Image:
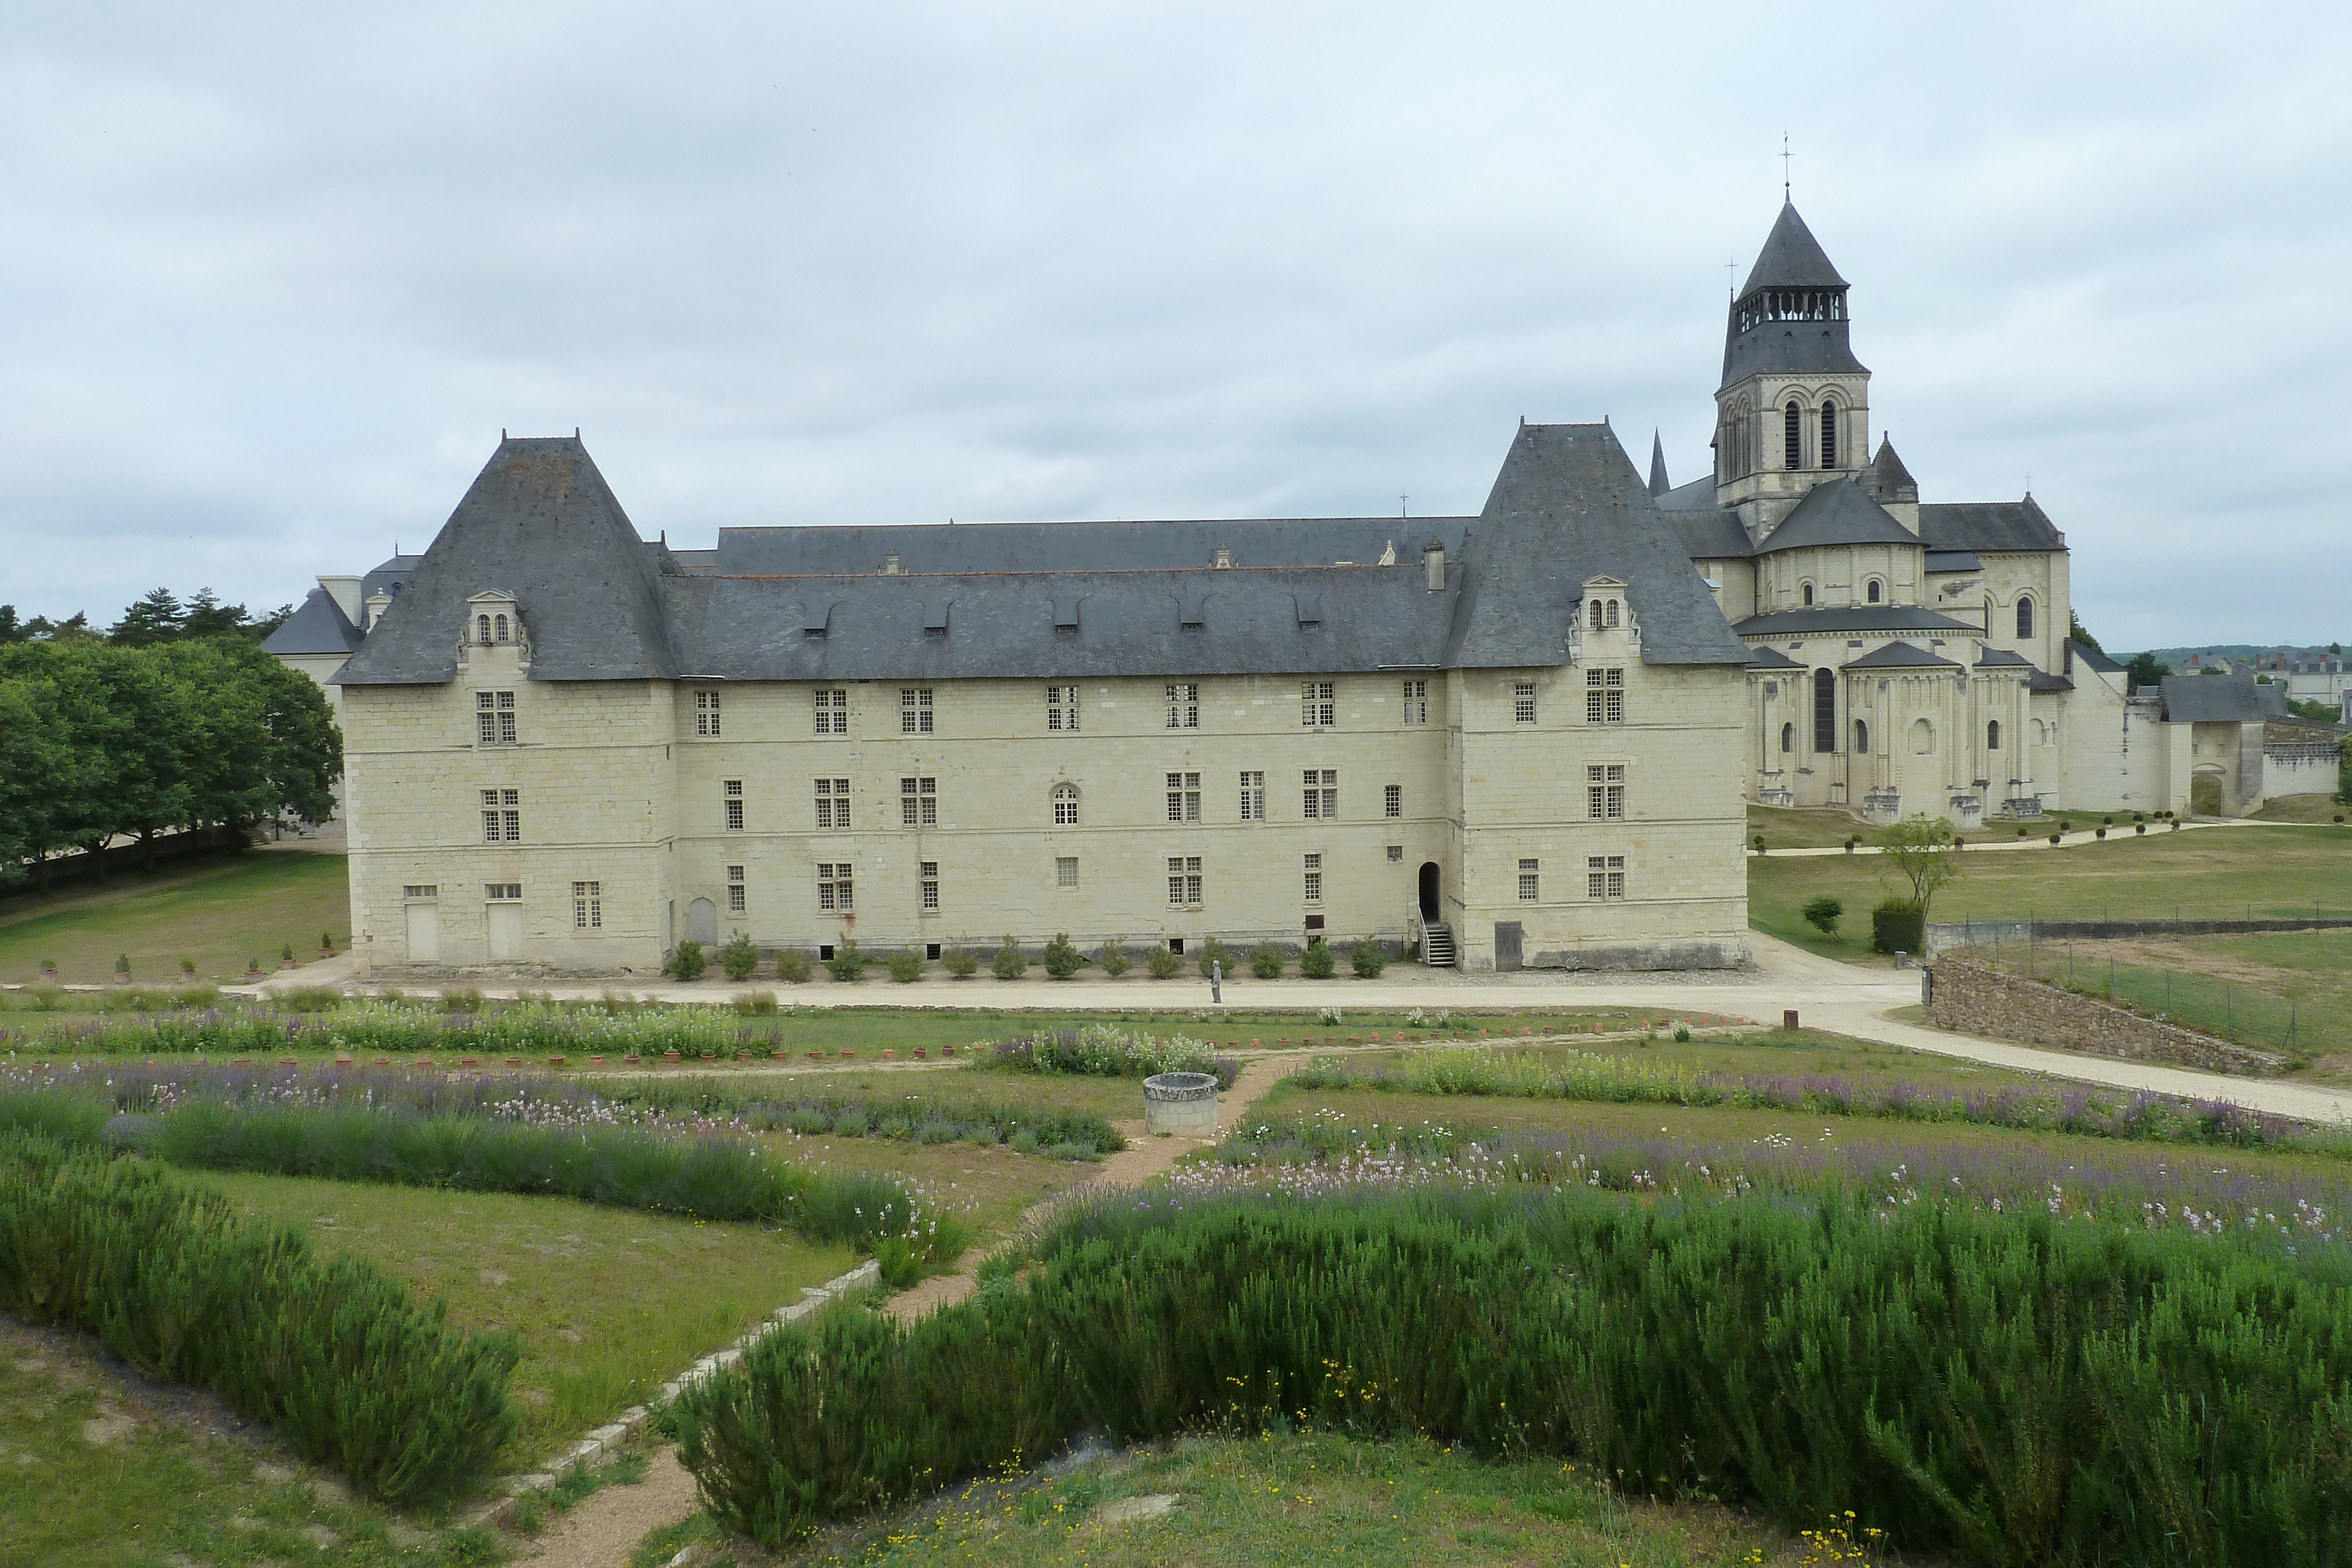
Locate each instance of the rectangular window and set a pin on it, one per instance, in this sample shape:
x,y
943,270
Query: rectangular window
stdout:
x,y
1065,871
501,817
1416,702
1604,876
735,894
1605,792
502,891
1523,702
1605,697
929,883
1183,879
919,802
832,711
1396,854
1253,797
1184,705
1316,709
1062,708
1392,801
1183,797
1314,879
833,805
832,885
1530,887
914,710
421,889
494,718
706,713
588,906
1322,794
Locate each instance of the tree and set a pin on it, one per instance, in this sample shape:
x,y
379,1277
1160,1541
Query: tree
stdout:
x,y
1922,851
2075,633
73,628
11,629
2144,670
156,616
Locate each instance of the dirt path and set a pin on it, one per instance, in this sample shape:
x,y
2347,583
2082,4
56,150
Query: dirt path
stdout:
x,y
605,1529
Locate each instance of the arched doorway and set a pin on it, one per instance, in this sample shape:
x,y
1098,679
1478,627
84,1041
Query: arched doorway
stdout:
x,y
702,921
1429,889
2205,792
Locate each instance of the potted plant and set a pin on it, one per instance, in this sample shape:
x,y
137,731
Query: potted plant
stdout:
x,y
253,969
325,944
286,957
187,966
50,966
122,968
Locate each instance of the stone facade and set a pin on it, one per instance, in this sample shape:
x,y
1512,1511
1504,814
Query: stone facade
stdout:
x,y
1973,1000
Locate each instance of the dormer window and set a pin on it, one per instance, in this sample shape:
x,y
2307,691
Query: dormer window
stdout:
x,y
500,622
1223,560
482,629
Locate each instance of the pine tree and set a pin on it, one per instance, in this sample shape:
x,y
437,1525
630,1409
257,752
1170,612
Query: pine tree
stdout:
x,y
157,617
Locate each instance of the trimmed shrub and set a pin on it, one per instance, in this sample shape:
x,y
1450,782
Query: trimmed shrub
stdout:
x,y
686,961
1164,965
1113,959
1898,925
1109,1050
739,958
1266,961
1319,963
756,1004
1822,914
1063,958
960,964
847,965
329,1353
793,966
1366,959
1010,962
1999,1388
906,966
1215,955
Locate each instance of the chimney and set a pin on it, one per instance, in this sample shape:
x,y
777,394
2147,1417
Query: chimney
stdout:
x,y
1433,561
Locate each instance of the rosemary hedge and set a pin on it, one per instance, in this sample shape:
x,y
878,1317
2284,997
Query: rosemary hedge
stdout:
x,y
2001,1388
329,1353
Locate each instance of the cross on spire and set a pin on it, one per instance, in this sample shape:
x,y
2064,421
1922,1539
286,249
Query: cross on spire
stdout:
x,y
1785,156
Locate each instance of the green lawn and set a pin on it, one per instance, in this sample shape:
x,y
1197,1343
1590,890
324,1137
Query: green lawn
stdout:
x,y
219,913
988,1188
1267,1501
2303,808
611,1303
97,1475
2219,874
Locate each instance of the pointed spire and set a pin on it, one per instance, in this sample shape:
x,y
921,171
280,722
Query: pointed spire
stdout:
x,y
1886,479
1658,485
1791,258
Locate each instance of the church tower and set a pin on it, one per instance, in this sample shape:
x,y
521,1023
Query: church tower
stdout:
x,y
1794,406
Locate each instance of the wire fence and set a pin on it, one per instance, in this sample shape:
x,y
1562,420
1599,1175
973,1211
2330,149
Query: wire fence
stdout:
x,y
2200,1002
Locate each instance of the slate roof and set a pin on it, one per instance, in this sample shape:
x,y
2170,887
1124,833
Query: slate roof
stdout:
x,y
1953,561
2042,680
1769,658
320,626
1989,526
1711,535
1658,485
1050,599
1899,656
2002,657
389,577
1791,256
1864,618
2096,659
1886,479
2213,699
539,522
1836,512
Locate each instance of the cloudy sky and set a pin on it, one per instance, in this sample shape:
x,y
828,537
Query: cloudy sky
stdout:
x,y
276,276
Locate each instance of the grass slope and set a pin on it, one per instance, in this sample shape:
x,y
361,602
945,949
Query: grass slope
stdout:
x,y
610,1303
220,913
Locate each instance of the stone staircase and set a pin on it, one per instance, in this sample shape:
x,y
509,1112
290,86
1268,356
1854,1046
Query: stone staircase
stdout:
x,y
1437,947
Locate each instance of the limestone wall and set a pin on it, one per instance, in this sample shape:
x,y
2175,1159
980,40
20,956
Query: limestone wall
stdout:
x,y
1974,999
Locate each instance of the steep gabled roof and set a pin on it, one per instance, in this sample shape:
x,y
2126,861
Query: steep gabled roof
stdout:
x,y
1791,258
539,522
1862,618
2213,699
1886,479
320,627
1658,485
1899,656
2085,654
1989,526
1568,506
1836,512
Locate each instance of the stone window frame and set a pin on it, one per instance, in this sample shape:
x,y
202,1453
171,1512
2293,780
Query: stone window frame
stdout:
x,y
1319,788
926,879
1605,792
1065,871
918,801
501,816
1604,694
738,896
831,709
1392,801
836,888
1523,702
1065,799
494,718
1062,709
1530,880
731,800
832,805
1183,791
915,710
1605,878
1416,700
1186,882
1318,706
1252,795
1183,705
706,714
588,905
1311,876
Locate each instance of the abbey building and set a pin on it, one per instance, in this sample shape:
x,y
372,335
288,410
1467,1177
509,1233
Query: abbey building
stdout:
x,y
1523,737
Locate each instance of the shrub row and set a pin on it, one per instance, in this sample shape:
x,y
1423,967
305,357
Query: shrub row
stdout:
x,y
919,1118
1618,1080
329,1353
1106,1050
2006,1389
625,1168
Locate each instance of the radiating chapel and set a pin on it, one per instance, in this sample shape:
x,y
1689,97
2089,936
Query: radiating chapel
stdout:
x,y
1522,738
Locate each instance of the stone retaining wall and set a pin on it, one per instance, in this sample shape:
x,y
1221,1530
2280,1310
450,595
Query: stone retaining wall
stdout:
x,y
1947,934
1974,999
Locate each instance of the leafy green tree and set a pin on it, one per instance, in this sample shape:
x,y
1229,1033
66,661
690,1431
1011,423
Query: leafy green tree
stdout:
x,y
1922,851
11,629
2074,632
2144,670
157,616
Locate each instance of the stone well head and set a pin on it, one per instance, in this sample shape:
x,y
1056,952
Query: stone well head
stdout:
x,y
1182,1104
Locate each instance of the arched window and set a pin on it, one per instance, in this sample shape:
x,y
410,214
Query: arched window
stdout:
x,y
1612,613
1792,437
1065,805
1993,735
1825,711
482,629
501,623
1595,617
2025,615
1829,435
1876,590
1788,737
1862,738
1808,595
1923,737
